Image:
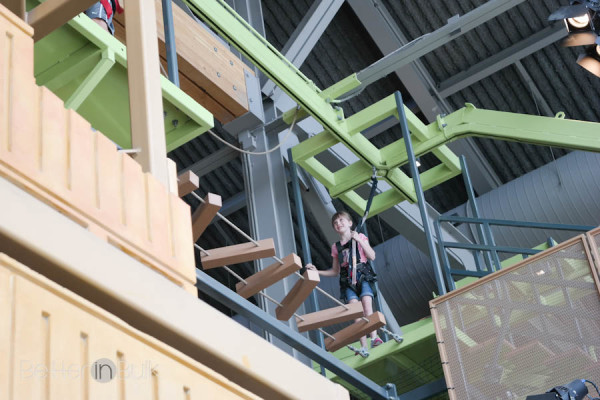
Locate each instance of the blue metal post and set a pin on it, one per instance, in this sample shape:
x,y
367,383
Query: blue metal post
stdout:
x,y
376,302
420,196
475,209
445,262
304,240
172,68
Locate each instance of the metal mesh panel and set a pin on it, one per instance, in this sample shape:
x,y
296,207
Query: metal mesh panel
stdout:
x,y
528,329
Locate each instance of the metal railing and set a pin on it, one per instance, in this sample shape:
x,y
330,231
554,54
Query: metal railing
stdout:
x,y
489,246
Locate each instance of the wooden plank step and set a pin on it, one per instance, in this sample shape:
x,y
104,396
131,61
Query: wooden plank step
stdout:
x,y
330,316
204,214
354,331
238,253
295,297
187,183
269,275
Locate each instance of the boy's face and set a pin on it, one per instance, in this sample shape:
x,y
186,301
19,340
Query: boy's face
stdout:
x,y
342,224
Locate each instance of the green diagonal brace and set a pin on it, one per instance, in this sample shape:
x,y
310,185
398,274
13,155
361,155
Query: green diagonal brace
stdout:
x,y
92,80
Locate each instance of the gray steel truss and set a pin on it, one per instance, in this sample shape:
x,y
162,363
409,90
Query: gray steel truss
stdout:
x,y
503,59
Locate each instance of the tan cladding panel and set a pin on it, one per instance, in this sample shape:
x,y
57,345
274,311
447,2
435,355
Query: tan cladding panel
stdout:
x,y
53,154
55,341
210,73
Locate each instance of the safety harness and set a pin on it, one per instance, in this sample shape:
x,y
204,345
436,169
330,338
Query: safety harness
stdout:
x,y
108,7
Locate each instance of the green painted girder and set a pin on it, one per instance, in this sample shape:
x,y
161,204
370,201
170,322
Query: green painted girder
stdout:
x,y
468,121
342,183
87,68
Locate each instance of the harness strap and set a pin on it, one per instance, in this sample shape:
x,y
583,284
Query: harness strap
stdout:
x,y
107,7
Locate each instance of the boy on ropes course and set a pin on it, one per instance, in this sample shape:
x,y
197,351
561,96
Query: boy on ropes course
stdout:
x,y
356,282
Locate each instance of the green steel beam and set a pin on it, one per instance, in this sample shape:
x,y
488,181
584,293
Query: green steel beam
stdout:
x,y
347,179
547,131
468,121
66,70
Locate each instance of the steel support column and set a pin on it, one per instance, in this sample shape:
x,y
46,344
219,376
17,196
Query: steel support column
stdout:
x,y
420,196
172,68
313,304
269,210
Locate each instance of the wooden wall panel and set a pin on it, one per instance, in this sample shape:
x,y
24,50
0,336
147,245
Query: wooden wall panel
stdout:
x,y
55,155
82,171
59,337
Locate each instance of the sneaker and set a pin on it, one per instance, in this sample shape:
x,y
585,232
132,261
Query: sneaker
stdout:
x,y
362,352
376,342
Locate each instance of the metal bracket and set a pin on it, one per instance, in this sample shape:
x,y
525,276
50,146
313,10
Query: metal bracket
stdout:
x,y
255,115
441,122
247,140
391,391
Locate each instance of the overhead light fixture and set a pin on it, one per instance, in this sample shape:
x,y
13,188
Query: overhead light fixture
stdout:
x,y
582,20
590,60
579,22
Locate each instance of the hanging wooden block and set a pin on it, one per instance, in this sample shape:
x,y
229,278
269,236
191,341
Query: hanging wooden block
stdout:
x,y
268,276
355,331
329,316
295,297
204,214
187,183
238,253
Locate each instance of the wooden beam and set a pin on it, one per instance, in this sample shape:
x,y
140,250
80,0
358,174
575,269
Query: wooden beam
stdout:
x,y
329,316
208,71
355,331
295,297
52,14
238,253
204,214
145,93
268,276
187,183
17,7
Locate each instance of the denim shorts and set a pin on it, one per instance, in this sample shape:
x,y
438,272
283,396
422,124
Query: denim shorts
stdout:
x,y
97,11
365,291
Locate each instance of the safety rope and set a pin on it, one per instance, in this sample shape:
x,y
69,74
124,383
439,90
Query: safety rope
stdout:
x,y
261,293
250,239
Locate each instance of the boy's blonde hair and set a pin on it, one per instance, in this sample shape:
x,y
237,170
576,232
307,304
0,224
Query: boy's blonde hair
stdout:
x,y
341,214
